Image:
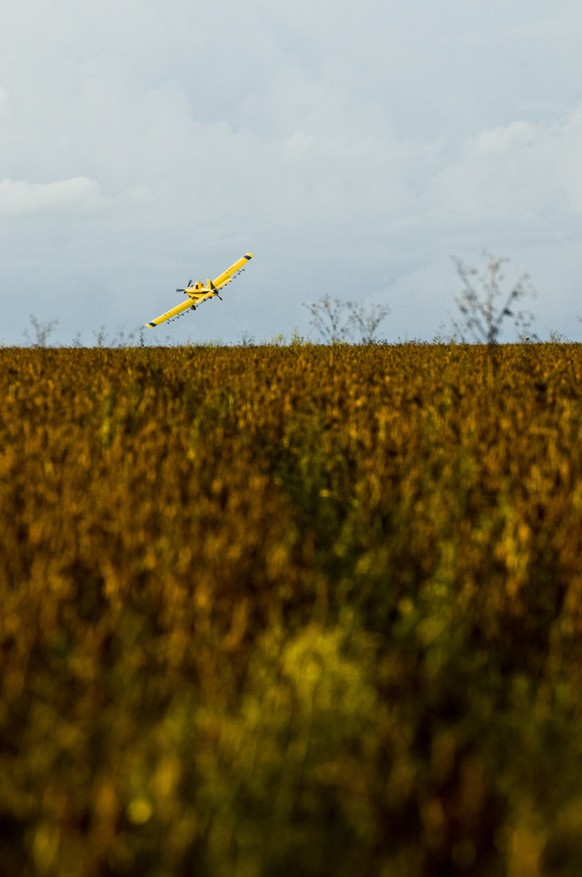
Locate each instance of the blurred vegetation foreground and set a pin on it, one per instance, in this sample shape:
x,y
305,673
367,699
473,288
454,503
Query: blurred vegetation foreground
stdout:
x,y
291,611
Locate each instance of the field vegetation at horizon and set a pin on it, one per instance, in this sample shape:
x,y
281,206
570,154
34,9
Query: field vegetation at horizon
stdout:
x,y
303,610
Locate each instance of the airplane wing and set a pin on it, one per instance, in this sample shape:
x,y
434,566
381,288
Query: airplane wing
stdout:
x,y
231,272
179,309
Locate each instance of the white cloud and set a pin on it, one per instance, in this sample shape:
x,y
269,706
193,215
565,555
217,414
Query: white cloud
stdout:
x,y
77,195
521,171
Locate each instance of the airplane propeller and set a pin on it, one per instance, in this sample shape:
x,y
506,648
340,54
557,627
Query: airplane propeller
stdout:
x,y
214,290
184,288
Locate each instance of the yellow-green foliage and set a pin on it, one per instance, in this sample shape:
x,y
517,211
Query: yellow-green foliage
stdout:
x,y
291,611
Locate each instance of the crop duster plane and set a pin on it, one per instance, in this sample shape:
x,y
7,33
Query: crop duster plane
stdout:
x,y
199,292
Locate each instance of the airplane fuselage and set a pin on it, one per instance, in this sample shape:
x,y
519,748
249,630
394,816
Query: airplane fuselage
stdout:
x,y
199,287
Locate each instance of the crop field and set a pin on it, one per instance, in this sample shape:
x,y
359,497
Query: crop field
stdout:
x,y
291,611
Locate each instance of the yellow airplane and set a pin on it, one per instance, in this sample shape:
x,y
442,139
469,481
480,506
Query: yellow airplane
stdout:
x,y
199,292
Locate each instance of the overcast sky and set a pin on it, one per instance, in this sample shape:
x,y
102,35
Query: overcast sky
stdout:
x,y
352,147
